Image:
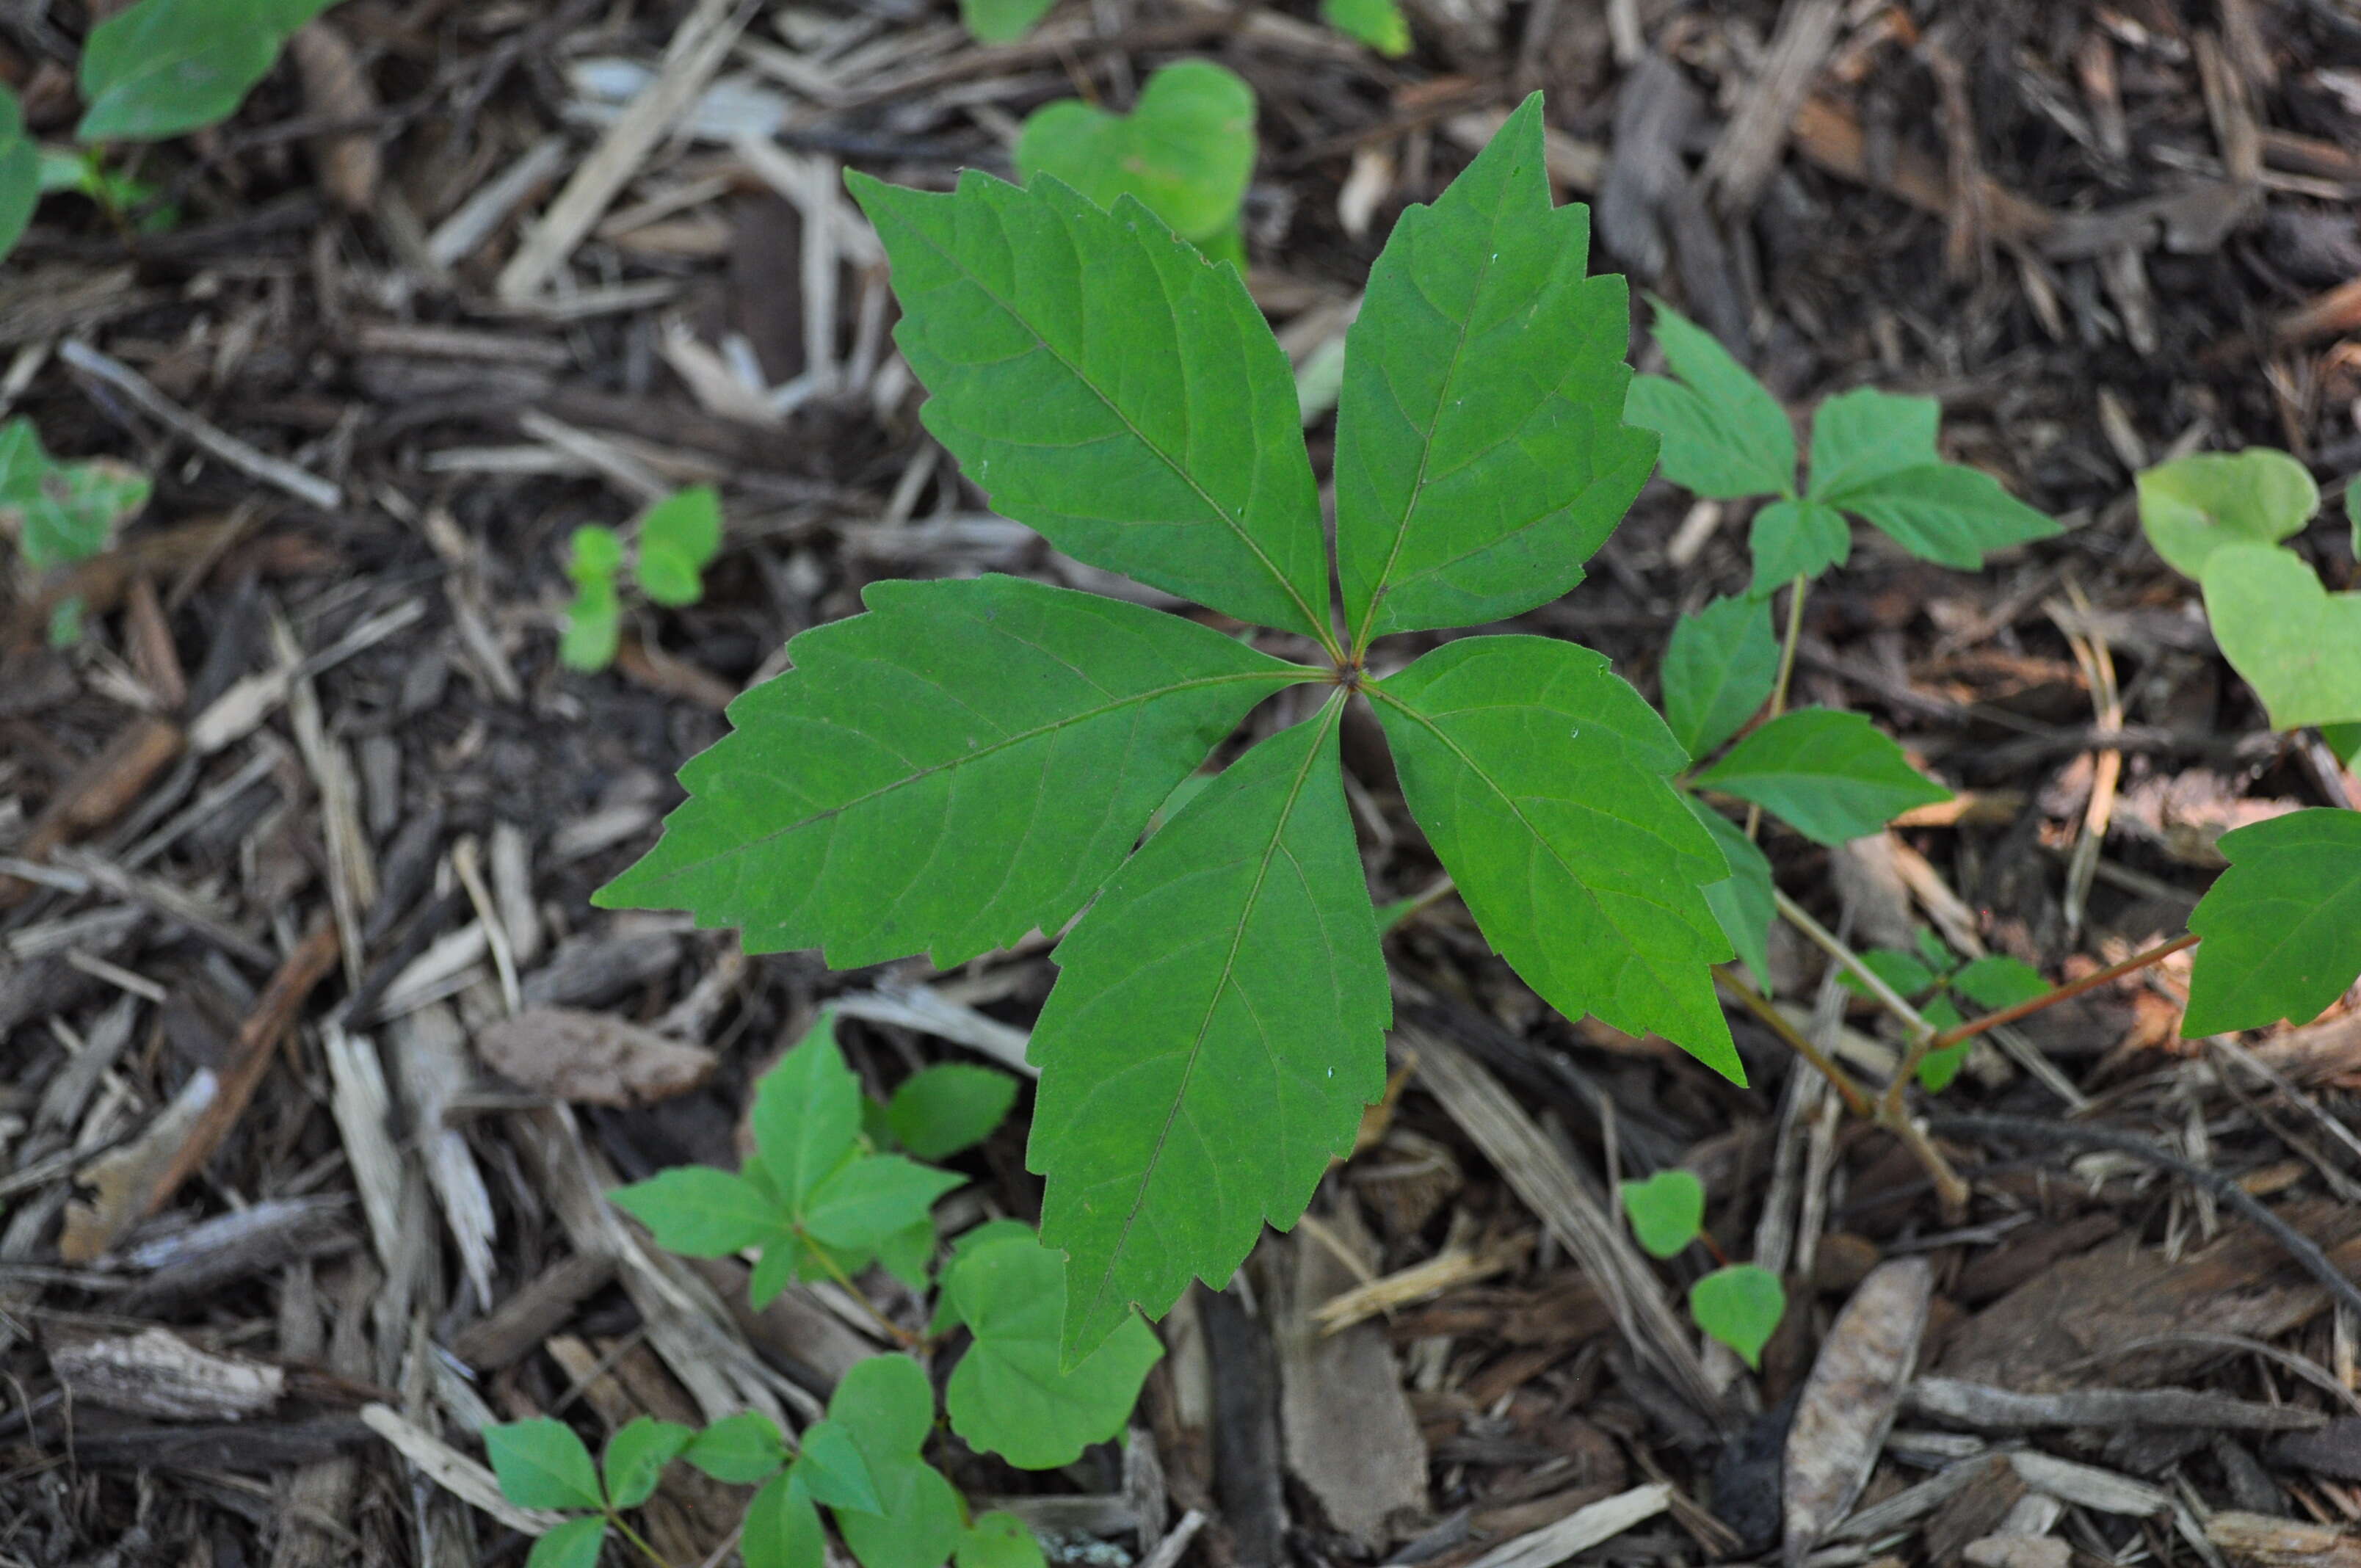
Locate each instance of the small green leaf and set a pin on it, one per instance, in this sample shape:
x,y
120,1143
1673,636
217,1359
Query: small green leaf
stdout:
x,y
740,1449
540,1464
1541,780
834,1470
65,512
1739,1306
2191,505
1186,1101
1478,459
783,1529
868,1201
1795,539
807,1115
2345,740
1718,671
1998,980
911,785
2281,927
1898,970
2295,642
65,621
1186,150
1741,904
1724,434
1864,435
887,1406
637,1454
1666,1212
1376,23
1002,21
594,627
1932,952
594,554
1832,776
699,1211
20,174
1947,513
574,1544
678,537
908,1255
1010,1395
785,1260
167,66
940,1110
1000,1541
1937,1068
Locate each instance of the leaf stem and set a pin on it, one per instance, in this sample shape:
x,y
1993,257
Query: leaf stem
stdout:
x,y
615,1517
1856,1098
2051,998
1795,592
894,1331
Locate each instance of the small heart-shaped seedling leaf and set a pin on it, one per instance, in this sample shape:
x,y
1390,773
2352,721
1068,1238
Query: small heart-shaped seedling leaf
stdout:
x,y
1665,1211
541,1464
164,67
678,537
1185,151
2191,506
1739,1306
1000,1541
2295,642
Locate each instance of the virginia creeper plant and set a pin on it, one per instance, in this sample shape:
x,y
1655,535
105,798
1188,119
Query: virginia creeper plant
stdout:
x,y
968,762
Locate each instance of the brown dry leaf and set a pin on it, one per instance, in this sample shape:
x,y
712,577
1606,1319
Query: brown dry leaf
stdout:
x,y
335,89
1848,1401
591,1059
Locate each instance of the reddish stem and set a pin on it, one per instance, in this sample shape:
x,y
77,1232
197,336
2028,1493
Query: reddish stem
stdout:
x,y
1975,1026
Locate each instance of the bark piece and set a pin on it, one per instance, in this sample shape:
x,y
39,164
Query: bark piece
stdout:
x,y
1350,1435
592,1058
156,1372
1850,1397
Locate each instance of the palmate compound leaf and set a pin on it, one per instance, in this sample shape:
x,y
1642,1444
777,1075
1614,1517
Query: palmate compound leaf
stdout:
x,y
1107,384
1213,1034
2281,927
1832,776
1540,779
1010,1394
1481,455
917,782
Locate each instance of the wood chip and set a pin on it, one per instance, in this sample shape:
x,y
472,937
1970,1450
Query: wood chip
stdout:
x,y
1580,1531
1979,1405
2270,1542
157,1373
1850,1397
592,1057
1349,1434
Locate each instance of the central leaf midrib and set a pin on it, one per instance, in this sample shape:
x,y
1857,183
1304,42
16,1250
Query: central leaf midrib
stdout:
x,y
1314,623
1293,676
1328,717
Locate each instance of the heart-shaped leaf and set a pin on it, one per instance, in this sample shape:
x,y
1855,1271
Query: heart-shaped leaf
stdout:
x,y
2295,642
1186,150
2192,505
1010,1395
1665,1211
2282,926
1741,1306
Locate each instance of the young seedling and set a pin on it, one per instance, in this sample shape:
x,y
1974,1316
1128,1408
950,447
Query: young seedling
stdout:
x,y
678,537
2219,518
63,513
1185,152
1738,1304
1932,977
157,69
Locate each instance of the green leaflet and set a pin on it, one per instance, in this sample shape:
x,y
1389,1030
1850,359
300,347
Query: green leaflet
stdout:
x,y
1832,776
908,787
1999,980
1186,152
679,536
1666,1212
1725,435
740,1449
940,1110
1010,1395
806,1114
20,172
167,66
1795,539
2282,926
1213,1034
1107,385
1943,512
576,1543
541,1464
1718,671
783,1529
1000,1541
1539,777
1865,434
636,1456
2295,642
1479,460
886,1405
2192,504
65,512
1002,21
1741,904
1376,23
